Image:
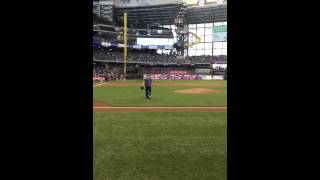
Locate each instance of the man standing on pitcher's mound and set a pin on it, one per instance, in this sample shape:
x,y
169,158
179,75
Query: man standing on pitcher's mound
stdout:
x,y
147,84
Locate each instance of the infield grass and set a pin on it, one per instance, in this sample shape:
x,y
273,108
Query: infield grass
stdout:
x,y
162,95
160,146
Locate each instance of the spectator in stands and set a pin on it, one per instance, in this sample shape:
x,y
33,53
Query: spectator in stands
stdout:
x,y
153,57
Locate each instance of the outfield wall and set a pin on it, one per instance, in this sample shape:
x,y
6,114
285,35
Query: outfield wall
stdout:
x,y
183,77
172,77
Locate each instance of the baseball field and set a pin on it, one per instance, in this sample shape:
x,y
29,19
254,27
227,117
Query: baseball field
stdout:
x,y
180,133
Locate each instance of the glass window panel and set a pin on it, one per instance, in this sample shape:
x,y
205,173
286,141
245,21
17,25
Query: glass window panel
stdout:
x,y
200,52
208,52
217,45
224,44
208,31
199,46
217,52
207,45
209,38
193,30
191,52
200,31
200,25
201,37
192,25
224,23
217,23
224,51
208,24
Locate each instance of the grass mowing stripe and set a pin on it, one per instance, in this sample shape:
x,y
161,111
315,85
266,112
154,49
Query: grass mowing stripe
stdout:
x,y
160,146
161,96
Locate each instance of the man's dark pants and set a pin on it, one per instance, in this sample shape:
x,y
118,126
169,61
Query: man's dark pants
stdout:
x,y
148,92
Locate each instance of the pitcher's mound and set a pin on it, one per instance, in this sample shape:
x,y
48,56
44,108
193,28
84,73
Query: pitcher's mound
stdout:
x,y
197,91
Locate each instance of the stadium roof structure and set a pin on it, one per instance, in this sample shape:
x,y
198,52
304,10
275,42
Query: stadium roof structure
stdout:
x,y
165,14
206,14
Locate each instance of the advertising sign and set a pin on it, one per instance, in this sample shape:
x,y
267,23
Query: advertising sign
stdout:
x,y
180,72
203,71
174,77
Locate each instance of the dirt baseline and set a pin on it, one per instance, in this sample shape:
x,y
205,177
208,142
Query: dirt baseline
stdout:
x,y
97,103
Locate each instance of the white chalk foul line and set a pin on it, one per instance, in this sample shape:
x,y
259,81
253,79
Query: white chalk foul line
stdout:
x,y
160,107
99,84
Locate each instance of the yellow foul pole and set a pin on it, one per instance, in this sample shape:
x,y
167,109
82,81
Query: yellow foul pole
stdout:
x,y
125,43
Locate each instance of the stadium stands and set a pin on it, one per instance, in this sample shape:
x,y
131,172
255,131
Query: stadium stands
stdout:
x,y
153,57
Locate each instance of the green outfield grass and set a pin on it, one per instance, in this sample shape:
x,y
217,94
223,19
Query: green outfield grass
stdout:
x,y
162,95
159,146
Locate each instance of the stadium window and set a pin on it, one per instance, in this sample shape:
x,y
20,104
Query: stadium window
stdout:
x,y
224,51
208,31
217,52
200,52
208,38
217,24
208,24
192,25
217,45
208,46
200,32
193,31
191,52
202,38
208,52
224,44
200,46
200,25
